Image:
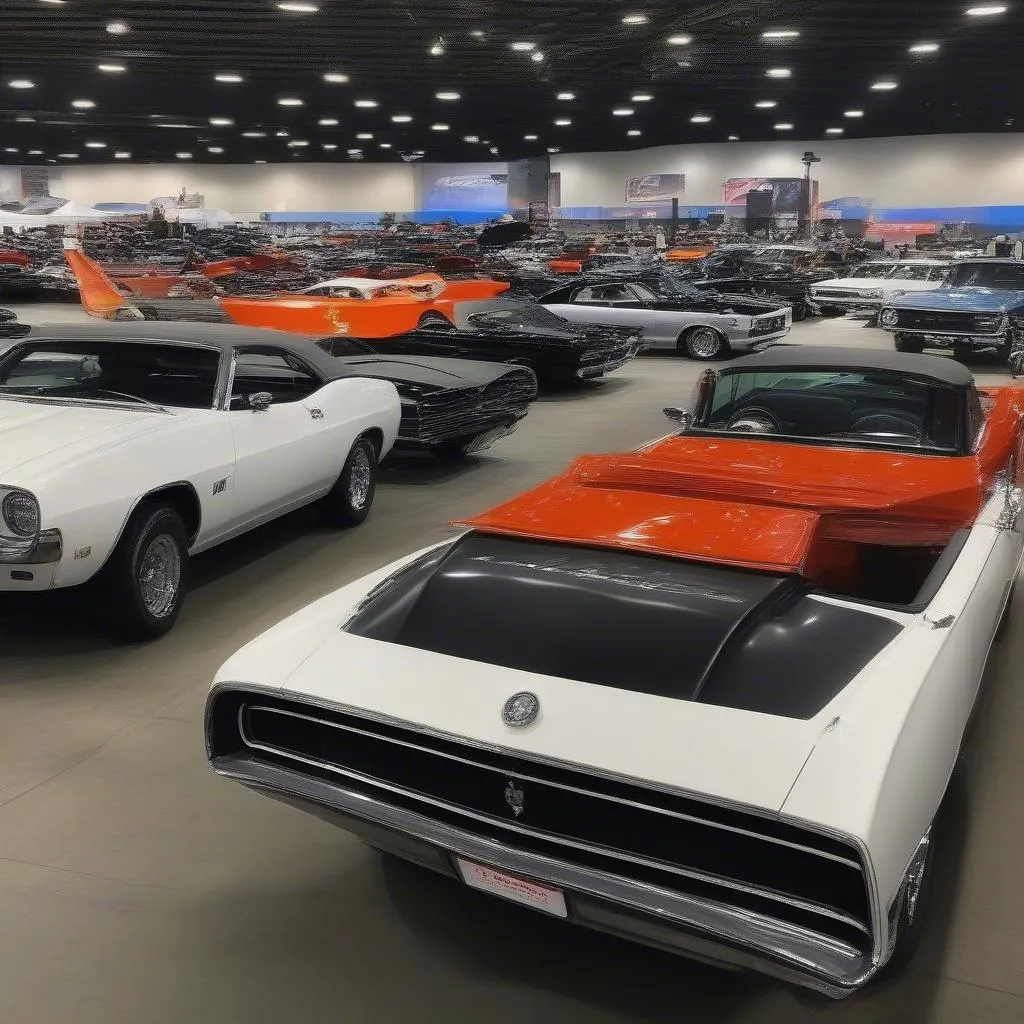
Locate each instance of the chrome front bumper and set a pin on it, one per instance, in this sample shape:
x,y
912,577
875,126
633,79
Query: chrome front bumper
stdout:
x,y
46,550
849,304
700,929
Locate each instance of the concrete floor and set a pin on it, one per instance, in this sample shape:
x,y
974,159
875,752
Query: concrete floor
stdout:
x,y
137,887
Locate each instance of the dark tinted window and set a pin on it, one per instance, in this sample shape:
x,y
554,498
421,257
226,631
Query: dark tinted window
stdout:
x,y
1001,276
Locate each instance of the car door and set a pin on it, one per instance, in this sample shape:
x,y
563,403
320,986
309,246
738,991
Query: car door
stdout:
x,y
283,454
616,305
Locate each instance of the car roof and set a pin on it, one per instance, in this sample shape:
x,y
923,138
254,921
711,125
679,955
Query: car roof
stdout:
x,y
219,336
806,357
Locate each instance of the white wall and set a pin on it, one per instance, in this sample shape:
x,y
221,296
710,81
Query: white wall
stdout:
x,y
929,170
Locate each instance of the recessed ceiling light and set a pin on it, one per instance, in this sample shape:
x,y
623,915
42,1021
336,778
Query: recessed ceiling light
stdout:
x,y
39,152
289,101
329,145
353,152
21,83
183,156
448,95
327,122
384,145
563,122
641,97
634,132
524,47
700,119
214,149
853,113
298,143
680,40
834,131
25,120
734,138
886,85
366,104
470,138
536,56
13,149
622,111
83,104
530,138
494,150
784,126
780,33
779,73
95,145
924,48
635,19
554,149
221,122
117,28
401,118
985,10
365,135
566,96
122,154
67,156
281,135
335,78
437,50
228,78
766,104
112,69
254,135
439,127
297,8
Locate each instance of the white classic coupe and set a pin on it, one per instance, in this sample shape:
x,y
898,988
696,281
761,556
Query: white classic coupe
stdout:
x,y
125,449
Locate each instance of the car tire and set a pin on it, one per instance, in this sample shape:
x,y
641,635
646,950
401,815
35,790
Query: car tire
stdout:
x,y
704,344
144,583
349,501
907,343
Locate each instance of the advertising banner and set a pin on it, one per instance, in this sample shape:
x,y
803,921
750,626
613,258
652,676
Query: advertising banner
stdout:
x,y
653,188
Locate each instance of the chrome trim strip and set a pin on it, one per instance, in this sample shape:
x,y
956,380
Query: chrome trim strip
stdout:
x,y
726,883
820,962
558,785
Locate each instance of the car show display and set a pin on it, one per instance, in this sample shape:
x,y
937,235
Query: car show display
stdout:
x,y
871,285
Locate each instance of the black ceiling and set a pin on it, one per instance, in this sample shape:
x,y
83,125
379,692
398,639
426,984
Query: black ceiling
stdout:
x,y
172,52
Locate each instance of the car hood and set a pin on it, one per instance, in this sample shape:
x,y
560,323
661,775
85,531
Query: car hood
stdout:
x,y
988,300
38,434
714,301
426,374
856,282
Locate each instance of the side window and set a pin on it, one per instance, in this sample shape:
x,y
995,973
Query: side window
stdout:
x,y
606,295
272,370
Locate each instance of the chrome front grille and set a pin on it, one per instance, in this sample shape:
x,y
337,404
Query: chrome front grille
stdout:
x,y
964,324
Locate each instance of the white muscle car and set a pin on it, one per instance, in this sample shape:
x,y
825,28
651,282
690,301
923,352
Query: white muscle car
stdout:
x,y
708,695
125,449
873,284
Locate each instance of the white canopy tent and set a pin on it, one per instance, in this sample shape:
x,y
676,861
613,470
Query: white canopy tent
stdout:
x,y
69,214
206,218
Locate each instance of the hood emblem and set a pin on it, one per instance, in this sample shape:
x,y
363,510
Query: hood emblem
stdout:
x,y
890,318
515,797
521,709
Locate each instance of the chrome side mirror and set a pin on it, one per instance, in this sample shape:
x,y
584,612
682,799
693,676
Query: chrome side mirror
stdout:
x,y
260,401
680,416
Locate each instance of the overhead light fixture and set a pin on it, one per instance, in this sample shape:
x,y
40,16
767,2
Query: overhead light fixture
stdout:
x,y
478,33
566,96
95,145
67,156
353,152
290,101
623,111
985,10
25,120
281,135
254,135
21,83
635,19
259,161
384,145
366,104
439,127
122,154
734,138
779,73
700,119
494,150
530,138
118,28
886,85
563,122
780,33
228,78
365,135
680,40
536,56
924,48
834,131
437,50
183,156
448,96
335,78
523,47
329,145
13,149
554,149
112,69
784,126
470,138
298,143
83,104
766,104
641,97
853,113
400,118
51,1
221,122
634,132
297,8
173,124
39,152
327,122
214,149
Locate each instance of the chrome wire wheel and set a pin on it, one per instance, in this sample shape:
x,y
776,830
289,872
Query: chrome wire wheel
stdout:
x,y
704,343
159,576
360,478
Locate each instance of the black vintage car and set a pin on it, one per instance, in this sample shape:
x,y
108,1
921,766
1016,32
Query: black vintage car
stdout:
x,y
514,331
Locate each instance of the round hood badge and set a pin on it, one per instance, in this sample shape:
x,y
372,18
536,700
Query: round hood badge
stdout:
x,y
521,709
890,318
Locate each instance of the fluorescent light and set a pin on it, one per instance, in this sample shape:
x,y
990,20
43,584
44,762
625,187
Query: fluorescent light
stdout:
x,y
122,154
478,33
329,145
221,122
214,149
924,48
985,10
281,135
298,144
117,28
366,104
183,156
635,19
554,149
566,96
536,56
327,122
780,33
700,119
853,113
67,156
83,104
400,118
353,152
766,104
21,83
439,127
834,131
734,138
641,97
524,47
170,124
254,135
95,145
289,101
563,122
448,95
634,132
784,126
335,78
385,145
25,120
622,111
779,73
112,69
470,138
365,135
259,161
886,85
228,78
295,8
13,149
530,138
680,40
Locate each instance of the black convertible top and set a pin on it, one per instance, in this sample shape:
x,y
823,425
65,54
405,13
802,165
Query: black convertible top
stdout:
x,y
806,357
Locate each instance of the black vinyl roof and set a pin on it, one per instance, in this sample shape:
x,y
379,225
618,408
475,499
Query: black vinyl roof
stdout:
x,y
806,357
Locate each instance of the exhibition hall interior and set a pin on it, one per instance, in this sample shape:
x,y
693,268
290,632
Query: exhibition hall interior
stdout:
x,y
511,511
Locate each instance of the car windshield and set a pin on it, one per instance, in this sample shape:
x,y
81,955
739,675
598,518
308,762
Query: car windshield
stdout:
x,y
166,375
518,318
862,408
1005,277
914,272
873,271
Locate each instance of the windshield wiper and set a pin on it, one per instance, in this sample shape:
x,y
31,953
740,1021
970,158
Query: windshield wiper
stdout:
x,y
131,398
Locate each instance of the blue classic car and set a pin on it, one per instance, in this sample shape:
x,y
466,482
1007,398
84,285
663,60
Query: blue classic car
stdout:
x,y
979,308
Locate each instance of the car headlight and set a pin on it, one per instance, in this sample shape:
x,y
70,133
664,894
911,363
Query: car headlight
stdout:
x,y
889,318
20,512
872,293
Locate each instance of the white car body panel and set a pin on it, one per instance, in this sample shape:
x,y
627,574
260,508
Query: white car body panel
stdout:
x,y
853,293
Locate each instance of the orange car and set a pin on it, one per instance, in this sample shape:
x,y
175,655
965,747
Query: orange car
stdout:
x,y
689,253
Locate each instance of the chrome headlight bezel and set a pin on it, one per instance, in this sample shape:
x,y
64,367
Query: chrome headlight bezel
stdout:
x,y
19,512
16,543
